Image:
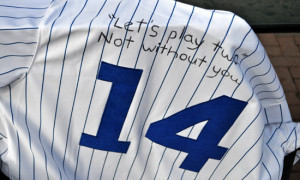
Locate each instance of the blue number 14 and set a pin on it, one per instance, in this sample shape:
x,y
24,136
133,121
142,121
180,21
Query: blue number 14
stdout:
x,y
221,113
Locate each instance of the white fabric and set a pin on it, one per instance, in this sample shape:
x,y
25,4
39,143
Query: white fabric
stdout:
x,y
50,94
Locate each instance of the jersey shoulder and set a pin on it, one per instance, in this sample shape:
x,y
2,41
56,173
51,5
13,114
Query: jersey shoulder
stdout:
x,y
19,29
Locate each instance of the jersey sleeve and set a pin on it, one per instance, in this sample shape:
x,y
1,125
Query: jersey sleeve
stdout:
x,y
258,74
19,27
281,134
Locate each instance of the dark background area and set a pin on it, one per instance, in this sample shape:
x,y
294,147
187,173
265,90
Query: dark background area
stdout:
x,y
262,15
3,177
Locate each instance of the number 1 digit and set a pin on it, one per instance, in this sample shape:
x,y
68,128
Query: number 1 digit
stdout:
x,y
124,84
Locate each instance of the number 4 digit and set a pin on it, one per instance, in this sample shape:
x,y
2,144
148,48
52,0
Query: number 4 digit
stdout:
x,y
221,113
124,84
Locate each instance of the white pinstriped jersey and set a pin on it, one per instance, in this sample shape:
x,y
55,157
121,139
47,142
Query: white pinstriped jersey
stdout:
x,y
137,89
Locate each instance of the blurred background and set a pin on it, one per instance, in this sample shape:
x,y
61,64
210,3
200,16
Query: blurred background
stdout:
x,y
262,15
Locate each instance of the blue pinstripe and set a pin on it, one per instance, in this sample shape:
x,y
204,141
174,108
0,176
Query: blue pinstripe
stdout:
x,y
26,121
288,137
262,84
26,17
15,56
19,7
255,64
13,121
44,70
13,70
13,43
244,74
267,170
78,78
274,97
17,29
268,91
262,74
255,166
265,83
88,176
266,116
102,165
245,153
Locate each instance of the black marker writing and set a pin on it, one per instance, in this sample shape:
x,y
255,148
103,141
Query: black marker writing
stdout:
x,y
224,73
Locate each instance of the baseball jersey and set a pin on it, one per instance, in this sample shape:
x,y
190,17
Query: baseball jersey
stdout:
x,y
137,89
